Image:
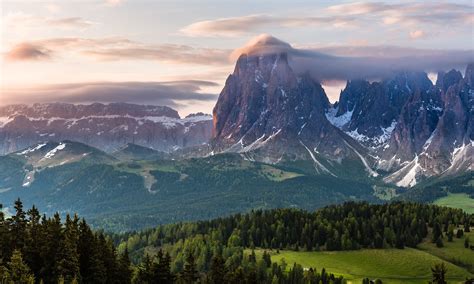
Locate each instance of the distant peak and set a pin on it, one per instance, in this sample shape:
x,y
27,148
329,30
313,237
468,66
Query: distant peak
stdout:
x,y
263,44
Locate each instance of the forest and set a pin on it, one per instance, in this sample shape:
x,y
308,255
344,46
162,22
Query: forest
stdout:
x,y
38,249
35,248
350,226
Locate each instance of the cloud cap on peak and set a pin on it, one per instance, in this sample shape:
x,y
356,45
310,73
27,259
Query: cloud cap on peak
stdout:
x,y
359,62
261,45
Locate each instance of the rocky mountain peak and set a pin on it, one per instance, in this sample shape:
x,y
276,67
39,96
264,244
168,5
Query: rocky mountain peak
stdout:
x,y
469,75
445,80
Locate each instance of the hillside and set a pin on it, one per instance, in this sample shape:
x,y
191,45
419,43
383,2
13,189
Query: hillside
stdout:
x,y
123,191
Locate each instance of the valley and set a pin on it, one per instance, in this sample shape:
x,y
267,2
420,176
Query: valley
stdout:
x,y
236,142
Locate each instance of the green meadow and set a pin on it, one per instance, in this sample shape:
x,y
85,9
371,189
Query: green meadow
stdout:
x,y
457,200
408,265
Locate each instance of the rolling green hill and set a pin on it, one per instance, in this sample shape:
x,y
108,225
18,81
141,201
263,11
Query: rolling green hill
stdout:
x,y
390,265
457,200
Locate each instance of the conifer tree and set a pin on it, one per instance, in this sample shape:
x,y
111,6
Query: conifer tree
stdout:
x,y
125,268
68,257
439,273
190,273
18,272
217,272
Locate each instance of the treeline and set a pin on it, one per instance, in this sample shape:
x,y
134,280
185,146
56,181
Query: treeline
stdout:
x,y
250,269
431,192
38,249
340,227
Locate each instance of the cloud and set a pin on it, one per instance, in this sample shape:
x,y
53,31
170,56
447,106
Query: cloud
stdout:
x,y
20,20
172,93
72,22
404,15
350,62
115,48
410,13
182,54
26,51
417,34
53,8
113,3
238,26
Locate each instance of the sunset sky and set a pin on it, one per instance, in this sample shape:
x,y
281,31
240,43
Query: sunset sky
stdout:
x,y
178,53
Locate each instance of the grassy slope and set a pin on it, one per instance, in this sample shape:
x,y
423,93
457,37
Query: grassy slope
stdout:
x,y
454,252
457,200
391,265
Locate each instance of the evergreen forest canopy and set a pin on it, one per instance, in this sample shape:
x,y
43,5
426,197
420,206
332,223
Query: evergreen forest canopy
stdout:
x,y
35,248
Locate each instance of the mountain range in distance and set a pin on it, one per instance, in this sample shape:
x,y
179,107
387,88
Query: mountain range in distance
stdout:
x,y
274,140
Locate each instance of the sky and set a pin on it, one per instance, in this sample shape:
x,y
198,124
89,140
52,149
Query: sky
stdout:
x,y
179,53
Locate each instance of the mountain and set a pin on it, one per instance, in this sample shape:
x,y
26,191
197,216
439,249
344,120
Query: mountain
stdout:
x,y
269,113
105,126
402,127
126,194
413,128
369,112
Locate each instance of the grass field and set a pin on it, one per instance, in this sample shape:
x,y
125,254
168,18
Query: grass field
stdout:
x,y
457,200
454,251
390,265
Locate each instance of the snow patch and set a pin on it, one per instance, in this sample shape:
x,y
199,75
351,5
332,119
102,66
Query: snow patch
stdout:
x,y
31,150
53,152
4,120
376,141
318,164
338,121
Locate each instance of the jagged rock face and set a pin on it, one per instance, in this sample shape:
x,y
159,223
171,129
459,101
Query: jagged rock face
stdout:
x,y
450,147
469,75
264,96
268,113
260,100
416,123
445,80
369,111
414,129
351,95
105,126
453,135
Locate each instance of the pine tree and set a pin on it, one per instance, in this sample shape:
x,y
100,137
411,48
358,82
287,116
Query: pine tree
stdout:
x,y
92,268
124,269
161,270
217,272
450,232
252,257
267,259
18,271
439,273
190,273
437,233
145,271
35,240
18,226
459,233
68,257
50,249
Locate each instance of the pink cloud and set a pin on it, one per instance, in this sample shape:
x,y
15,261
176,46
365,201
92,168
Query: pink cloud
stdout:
x,y
27,51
